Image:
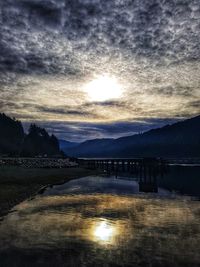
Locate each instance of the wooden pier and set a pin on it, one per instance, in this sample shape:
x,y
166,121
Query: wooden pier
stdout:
x,y
146,170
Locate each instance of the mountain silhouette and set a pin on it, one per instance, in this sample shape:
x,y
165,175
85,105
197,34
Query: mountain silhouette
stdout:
x,y
14,141
181,139
64,144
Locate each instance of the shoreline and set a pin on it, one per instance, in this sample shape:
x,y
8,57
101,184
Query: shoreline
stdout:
x,y
18,184
48,163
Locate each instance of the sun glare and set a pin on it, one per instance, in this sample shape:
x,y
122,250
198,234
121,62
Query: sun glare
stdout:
x,y
104,232
103,88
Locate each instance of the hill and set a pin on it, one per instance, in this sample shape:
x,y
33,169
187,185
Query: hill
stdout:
x,y
90,147
64,145
14,141
181,139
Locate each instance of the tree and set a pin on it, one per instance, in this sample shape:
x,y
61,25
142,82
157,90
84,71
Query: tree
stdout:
x,y
11,135
39,143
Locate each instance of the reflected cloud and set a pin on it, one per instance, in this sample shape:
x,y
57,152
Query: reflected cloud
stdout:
x,y
85,229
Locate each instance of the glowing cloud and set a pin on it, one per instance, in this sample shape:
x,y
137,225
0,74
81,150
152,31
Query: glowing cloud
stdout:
x,y
103,88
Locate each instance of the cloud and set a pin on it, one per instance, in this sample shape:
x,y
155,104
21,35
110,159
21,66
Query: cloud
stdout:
x,y
108,103
49,49
81,131
51,36
194,104
65,111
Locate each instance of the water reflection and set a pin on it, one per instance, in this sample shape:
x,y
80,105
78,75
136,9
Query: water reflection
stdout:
x,y
101,230
104,232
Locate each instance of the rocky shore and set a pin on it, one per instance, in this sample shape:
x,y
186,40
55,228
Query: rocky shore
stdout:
x,y
38,162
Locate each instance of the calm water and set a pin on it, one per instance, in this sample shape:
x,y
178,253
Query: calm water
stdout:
x,y
96,221
183,178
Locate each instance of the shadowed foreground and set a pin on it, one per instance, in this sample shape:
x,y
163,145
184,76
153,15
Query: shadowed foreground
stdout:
x,y
18,184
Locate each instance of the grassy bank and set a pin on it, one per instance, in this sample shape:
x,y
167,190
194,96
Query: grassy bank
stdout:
x,y
17,183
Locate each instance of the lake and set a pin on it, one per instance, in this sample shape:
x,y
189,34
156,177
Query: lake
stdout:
x,y
184,178
102,221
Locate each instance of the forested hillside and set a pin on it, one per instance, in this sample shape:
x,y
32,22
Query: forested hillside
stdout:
x,y
14,141
181,139
11,135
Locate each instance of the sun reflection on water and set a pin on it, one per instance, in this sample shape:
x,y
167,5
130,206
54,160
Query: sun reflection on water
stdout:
x,y
105,229
104,232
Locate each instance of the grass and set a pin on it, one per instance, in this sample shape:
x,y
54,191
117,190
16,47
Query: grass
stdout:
x,y
18,184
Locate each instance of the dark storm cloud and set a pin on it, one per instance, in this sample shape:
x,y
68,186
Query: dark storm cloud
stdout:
x,y
65,111
108,103
51,36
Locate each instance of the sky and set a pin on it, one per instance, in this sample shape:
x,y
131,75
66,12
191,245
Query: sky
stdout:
x,y
87,69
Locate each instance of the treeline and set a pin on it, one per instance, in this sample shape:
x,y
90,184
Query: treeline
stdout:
x,y
15,142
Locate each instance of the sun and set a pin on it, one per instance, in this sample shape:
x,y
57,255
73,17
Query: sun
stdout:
x,y
103,88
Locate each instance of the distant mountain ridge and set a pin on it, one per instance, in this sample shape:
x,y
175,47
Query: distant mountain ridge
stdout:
x,y
181,139
64,144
